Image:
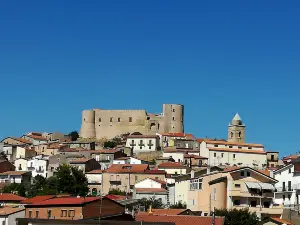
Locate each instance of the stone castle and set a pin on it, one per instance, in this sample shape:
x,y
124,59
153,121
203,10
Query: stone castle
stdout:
x,y
99,123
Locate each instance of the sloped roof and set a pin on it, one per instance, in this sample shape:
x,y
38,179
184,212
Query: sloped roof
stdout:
x,y
10,197
65,201
171,165
132,168
9,210
41,198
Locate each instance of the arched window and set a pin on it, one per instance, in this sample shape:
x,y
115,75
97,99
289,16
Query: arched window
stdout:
x,y
240,134
231,134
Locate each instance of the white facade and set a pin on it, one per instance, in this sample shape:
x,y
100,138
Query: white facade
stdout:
x,y
254,157
142,143
127,160
11,218
179,171
288,186
95,178
21,164
148,183
20,152
38,166
181,191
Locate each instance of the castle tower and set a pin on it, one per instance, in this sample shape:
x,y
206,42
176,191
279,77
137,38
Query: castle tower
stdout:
x,y
236,130
88,124
173,118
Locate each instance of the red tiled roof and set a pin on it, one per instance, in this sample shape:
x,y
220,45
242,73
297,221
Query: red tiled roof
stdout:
x,y
155,171
281,221
66,201
180,150
10,197
194,156
150,190
173,134
159,181
82,160
238,150
9,210
115,197
171,165
95,172
41,198
163,212
180,219
142,136
37,137
232,168
21,140
125,168
105,151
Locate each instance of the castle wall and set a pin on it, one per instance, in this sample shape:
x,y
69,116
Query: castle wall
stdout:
x,y
88,124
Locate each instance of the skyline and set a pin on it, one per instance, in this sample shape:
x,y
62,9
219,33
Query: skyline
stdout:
x,y
216,58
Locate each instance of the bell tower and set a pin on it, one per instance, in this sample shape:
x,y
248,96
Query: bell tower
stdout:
x,y
236,130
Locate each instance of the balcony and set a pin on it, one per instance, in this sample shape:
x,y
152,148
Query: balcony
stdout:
x,y
284,189
242,193
94,182
275,210
40,170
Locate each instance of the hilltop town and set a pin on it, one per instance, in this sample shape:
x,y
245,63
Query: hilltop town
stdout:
x,y
137,163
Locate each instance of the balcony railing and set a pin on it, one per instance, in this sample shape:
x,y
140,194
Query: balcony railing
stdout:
x,y
275,210
284,189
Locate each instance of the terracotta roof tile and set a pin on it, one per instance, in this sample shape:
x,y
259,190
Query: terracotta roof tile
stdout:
x,y
180,219
82,160
173,134
105,151
10,197
238,150
281,221
115,197
9,210
22,140
150,190
37,137
163,212
194,156
171,165
66,201
221,142
41,198
159,181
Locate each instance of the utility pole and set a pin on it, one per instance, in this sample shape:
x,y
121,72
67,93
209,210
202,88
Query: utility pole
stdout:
x,y
213,219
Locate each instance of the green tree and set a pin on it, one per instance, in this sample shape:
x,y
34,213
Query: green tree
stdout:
x,y
178,205
110,144
14,187
237,217
155,203
37,188
74,135
117,192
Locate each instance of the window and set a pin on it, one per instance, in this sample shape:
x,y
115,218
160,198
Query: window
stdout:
x,y
127,167
63,213
215,154
234,156
49,213
215,194
37,214
242,173
71,213
173,110
283,197
239,147
173,118
240,134
30,214
231,134
196,184
237,185
119,119
99,119
230,146
205,214
290,170
272,157
130,119
110,119
249,147
283,186
248,173
216,145
289,196
290,185
236,202
222,155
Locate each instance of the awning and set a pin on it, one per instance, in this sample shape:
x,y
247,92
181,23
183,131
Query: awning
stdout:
x,y
267,186
253,185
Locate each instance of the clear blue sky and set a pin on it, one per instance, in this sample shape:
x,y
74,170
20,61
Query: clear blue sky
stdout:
x,y
215,57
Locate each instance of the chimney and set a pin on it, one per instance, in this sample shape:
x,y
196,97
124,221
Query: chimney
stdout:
x,y
192,173
150,209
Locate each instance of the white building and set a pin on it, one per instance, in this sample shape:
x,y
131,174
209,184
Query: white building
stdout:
x,y
142,143
173,168
8,215
38,165
21,164
94,178
127,160
288,186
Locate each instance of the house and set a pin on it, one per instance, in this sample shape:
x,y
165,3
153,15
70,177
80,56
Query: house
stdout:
x,y
174,168
142,143
35,138
168,139
16,141
128,160
189,142
21,164
235,188
19,177
87,145
94,178
14,152
288,186
182,183
272,159
38,165
85,164
54,162
6,166
41,198
124,176
105,157
150,187
9,199
56,136
275,221
179,219
73,208
8,215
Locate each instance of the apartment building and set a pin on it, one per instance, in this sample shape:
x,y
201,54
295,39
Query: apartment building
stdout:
x,y
234,188
18,177
105,157
73,208
124,176
288,186
94,178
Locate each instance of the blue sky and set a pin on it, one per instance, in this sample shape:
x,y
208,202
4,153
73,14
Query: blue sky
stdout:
x,y
215,57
